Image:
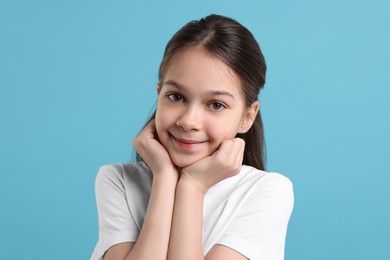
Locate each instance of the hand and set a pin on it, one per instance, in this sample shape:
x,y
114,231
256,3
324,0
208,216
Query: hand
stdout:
x,y
224,163
152,151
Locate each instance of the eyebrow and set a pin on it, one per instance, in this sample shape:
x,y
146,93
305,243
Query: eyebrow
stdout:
x,y
212,92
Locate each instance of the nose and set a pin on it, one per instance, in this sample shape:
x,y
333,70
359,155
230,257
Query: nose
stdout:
x,y
190,119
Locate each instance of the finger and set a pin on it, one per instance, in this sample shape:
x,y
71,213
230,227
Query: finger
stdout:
x,y
231,152
240,144
148,132
225,149
150,129
237,151
232,147
151,125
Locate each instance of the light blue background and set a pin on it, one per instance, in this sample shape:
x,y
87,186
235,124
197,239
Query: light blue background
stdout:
x,y
77,82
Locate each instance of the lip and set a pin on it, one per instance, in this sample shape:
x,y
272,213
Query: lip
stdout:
x,y
187,143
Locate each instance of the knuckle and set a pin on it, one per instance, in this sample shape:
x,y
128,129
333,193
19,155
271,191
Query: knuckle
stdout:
x,y
239,141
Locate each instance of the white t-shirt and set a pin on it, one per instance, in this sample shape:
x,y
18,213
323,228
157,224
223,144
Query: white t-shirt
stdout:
x,y
248,212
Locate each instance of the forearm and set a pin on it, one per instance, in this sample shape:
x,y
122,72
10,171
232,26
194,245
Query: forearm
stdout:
x,y
153,240
187,220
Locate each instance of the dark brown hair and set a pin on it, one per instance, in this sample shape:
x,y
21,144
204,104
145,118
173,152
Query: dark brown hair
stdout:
x,y
234,45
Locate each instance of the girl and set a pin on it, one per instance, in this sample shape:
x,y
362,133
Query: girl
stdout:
x,y
199,189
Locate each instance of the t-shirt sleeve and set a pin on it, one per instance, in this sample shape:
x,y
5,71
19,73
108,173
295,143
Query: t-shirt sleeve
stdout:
x,y
259,229
116,224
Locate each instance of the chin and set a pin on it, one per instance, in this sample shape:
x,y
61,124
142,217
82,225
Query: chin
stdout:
x,y
184,161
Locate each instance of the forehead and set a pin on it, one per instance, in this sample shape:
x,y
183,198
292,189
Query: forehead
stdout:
x,y
197,68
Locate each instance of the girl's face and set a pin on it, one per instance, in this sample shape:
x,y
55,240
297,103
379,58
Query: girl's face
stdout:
x,y
200,104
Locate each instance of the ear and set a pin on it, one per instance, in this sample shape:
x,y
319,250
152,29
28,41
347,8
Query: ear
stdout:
x,y
249,117
158,88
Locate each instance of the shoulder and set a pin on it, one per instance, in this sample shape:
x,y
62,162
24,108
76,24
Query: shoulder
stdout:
x,y
269,186
260,204
263,178
117,174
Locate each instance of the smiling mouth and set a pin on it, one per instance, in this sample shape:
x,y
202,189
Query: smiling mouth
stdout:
x,y
187,143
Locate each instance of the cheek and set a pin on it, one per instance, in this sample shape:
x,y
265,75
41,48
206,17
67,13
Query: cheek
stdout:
x,y
223,130
160,121
164,120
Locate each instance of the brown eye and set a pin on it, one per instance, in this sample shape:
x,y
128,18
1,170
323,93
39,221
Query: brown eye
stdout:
x,y
217,106
175,97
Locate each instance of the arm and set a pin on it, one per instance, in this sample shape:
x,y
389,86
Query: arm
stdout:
x,y
153,240
186,237
195,180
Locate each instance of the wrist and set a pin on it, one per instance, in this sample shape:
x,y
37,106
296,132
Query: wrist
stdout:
x,y
192,184
165,176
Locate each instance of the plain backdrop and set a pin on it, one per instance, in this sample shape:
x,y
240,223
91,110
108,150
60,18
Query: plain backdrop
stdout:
x,y
77,82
